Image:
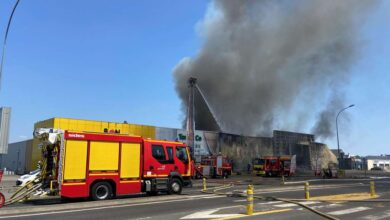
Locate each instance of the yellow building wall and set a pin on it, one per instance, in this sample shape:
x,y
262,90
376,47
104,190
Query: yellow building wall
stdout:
x,y
87,126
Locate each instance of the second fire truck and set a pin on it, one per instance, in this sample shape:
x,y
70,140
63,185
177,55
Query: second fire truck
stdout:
x,y
274,165
214,166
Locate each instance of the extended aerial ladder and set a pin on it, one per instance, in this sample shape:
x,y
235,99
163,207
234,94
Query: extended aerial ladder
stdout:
x,y
190,120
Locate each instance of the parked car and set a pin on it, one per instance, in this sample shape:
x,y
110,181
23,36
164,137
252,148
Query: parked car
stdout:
x,y
28,177
377,168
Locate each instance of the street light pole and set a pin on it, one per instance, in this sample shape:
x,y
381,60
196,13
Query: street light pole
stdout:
x,y
337,133
5,39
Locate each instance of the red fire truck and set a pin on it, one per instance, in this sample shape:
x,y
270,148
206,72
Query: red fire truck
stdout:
x,y
274,165
214,166
102,166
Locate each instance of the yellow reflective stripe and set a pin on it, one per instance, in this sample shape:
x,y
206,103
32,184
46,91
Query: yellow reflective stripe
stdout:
x,y
130,181
103,174
73,184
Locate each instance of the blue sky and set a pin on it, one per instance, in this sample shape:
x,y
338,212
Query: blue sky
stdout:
x,y
113,60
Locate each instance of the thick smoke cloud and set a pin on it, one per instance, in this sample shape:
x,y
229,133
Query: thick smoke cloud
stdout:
x,y
263,59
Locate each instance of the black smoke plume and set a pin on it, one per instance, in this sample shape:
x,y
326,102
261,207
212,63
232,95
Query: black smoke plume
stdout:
x,y
264,63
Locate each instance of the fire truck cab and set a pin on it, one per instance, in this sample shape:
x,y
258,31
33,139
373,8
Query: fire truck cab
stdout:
x,y
258,166
104,165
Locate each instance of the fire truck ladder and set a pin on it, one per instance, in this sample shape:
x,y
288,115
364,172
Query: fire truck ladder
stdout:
x,y
29,188
24,192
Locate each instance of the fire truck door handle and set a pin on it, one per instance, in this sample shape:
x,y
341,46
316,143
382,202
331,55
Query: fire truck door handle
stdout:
x,y
151,168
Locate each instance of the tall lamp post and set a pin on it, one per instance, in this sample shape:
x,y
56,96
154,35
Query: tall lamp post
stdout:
x,y
5,39
337,132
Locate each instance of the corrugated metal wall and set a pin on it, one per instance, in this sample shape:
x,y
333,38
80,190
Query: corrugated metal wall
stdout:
x,y
15,160
5,116
88,126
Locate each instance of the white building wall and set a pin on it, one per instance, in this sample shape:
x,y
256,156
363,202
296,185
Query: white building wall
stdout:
x,y
382,163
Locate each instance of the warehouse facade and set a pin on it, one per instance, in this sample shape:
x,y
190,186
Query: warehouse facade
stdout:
x,y
240,149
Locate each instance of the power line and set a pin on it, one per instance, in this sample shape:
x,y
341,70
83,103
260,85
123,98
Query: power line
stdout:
x,y
5,39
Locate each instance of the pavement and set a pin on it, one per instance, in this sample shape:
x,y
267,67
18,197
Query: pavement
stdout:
x,y
7,185
192,204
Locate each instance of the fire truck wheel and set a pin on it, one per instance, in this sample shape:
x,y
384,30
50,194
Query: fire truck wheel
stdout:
x,y
101,191
175,186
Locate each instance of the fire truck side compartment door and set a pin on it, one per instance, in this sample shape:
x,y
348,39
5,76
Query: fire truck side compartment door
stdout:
x,y
130,160
104,156
75,160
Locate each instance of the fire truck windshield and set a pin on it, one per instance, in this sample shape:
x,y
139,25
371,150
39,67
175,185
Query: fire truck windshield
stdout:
x,y
258,161
181,154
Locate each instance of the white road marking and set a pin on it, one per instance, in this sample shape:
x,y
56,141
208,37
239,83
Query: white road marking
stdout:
x,y
207,196
208,214
200,196
240,200
269,203
292,204
349,211
286,205
325,206
98,208
385,215
299,188
309,202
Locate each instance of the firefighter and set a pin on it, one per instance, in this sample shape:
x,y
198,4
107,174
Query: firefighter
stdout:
x,y
249,168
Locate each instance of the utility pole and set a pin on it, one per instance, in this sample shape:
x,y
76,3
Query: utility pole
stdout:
x,y
337,133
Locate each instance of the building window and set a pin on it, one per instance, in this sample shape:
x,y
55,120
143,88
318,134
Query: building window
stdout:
x,y
375,165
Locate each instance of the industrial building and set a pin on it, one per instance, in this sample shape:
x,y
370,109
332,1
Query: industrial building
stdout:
x,y
5,116
18,156
382,162
240,149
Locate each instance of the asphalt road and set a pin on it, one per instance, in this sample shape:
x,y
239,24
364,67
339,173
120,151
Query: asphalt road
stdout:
x,y
194,205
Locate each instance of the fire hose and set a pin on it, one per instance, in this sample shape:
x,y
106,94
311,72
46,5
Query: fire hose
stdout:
x,y
216,190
